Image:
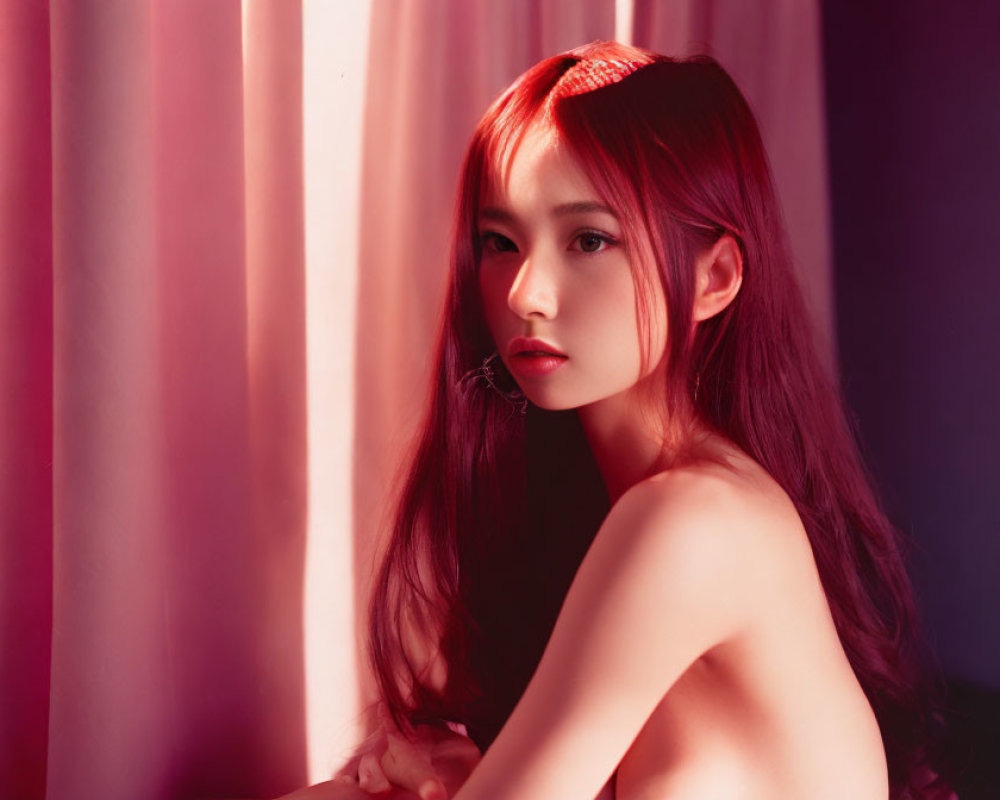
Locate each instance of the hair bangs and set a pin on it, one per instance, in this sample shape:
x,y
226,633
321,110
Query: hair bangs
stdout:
x,y
603,129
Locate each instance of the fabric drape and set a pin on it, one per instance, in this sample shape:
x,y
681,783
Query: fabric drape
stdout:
x,y
155,635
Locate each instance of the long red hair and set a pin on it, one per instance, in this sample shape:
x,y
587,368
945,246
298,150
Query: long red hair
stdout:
x,y
483,547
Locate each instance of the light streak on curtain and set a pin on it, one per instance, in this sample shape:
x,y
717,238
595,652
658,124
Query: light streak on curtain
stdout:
x,y
335,47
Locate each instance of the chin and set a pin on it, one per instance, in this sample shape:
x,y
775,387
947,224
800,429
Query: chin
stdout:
x,y
564,401
551,406
551,401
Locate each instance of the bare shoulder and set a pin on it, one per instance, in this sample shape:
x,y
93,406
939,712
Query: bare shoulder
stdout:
x,y
734,497
676,572
727,520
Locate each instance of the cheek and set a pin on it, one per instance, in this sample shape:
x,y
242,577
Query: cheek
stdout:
x,y
609,323
618,298
647,307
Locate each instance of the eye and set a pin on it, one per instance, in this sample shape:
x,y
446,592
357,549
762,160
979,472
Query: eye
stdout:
x,y
493,242
593,242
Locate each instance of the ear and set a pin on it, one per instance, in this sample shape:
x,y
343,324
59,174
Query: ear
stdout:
x,y
718,276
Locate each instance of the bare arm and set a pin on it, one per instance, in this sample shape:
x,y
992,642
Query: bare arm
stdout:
x,y
663,583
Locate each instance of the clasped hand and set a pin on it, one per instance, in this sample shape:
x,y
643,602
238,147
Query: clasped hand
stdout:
x,y
433,766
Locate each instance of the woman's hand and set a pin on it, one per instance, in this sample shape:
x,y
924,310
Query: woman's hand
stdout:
x,y
431,767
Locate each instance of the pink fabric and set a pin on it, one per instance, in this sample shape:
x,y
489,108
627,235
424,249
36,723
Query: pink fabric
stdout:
x,y
25,396
153,487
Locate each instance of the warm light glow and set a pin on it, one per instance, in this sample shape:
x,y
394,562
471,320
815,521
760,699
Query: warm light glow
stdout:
x,y
335,47
624,17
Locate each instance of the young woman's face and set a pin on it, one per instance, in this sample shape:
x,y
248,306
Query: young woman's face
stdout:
x,y
556,284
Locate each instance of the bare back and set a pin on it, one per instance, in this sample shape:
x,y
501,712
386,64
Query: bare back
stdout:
x,y
775,712
695,657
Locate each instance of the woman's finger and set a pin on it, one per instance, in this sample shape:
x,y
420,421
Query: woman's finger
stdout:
x,y
370,775
403,765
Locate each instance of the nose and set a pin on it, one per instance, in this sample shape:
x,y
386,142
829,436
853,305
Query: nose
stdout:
x,y
534,291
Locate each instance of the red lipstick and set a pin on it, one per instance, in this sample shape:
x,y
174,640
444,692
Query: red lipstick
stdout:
x,y
533,358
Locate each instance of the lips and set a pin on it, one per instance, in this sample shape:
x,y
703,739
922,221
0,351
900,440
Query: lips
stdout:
x,y
532,358
532,347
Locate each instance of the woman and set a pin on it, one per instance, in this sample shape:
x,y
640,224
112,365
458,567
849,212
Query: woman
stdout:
x,y
634,462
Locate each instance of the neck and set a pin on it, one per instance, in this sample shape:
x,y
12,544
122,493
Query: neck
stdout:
x,y
628,445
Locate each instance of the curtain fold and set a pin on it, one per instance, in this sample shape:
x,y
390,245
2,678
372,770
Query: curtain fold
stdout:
x,y
162,665
108,652
25,396
154,394
276,364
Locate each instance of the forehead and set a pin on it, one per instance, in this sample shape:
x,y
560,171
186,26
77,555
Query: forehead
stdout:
x,y
534,166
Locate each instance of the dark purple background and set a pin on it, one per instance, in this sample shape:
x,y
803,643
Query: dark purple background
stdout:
x,y
913,102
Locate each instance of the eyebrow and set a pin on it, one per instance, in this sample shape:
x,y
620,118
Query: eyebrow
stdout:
x,y
561,210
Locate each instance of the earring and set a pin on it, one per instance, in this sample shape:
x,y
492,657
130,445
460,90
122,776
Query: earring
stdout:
x,y
490,372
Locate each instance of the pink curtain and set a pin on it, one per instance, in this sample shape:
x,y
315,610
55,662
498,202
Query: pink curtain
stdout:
x,y
157,237
25,398
153,401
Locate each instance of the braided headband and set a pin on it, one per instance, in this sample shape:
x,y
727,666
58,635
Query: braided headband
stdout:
x,y
595,73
